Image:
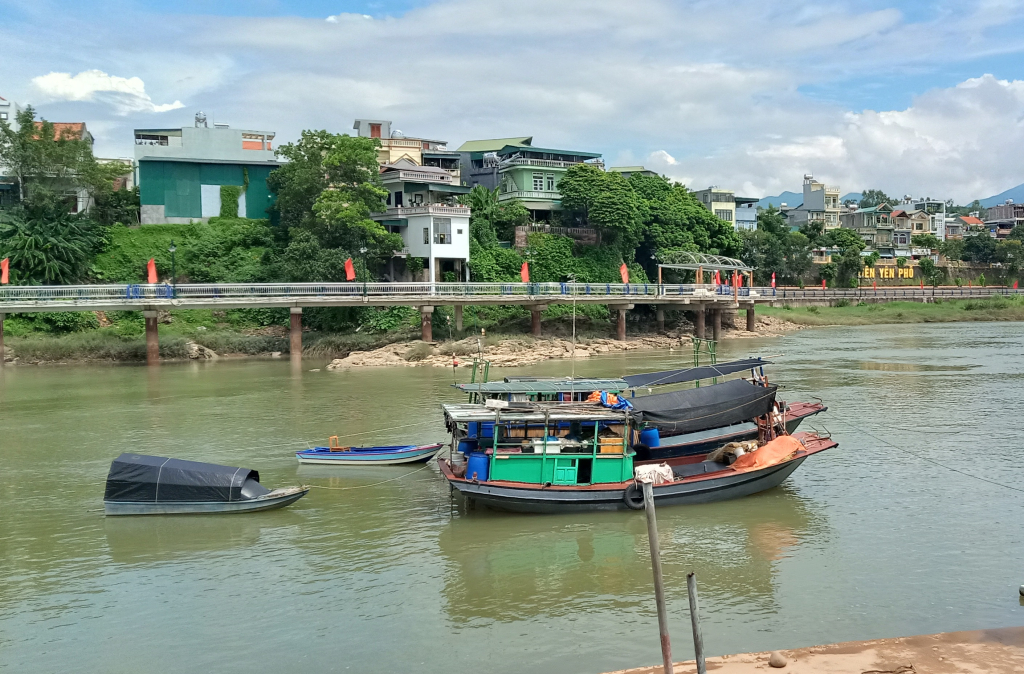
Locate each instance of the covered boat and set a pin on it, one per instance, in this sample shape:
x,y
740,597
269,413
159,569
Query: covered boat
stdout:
x,y
155,485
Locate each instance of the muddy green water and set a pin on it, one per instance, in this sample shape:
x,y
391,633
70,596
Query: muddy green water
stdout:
x,y
863,541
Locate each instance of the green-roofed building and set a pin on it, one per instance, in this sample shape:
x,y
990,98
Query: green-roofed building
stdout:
x,y
522,171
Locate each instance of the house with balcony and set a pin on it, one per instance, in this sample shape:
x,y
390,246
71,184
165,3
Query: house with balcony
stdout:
x,y
874,227
524,172
720,202
821,204
423,208
1003,218
180,171
396,146
746,213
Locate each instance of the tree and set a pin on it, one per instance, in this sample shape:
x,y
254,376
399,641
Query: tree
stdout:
x,y
980,249
848,259
614,214
1017,233
901,262
1010,255
872,259
44,242
580,187
870,198
814,230
929,241
932,273
952,249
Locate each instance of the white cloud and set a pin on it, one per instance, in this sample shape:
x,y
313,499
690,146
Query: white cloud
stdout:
x,y
126,94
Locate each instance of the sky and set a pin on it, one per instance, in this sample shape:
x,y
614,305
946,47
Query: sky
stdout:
x,y
921,98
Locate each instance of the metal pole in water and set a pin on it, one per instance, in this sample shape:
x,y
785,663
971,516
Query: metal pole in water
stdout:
x,y
659,586
698,641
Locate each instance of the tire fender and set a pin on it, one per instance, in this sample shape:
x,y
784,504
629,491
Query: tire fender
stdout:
x,y
633,497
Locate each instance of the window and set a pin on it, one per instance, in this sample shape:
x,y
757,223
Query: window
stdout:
x,y
3,115
723,214
426,235
375,131
538,182
551,183
398,199
442,230
458,231
389,198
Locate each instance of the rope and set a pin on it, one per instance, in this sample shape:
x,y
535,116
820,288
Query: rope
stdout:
x,y
930,460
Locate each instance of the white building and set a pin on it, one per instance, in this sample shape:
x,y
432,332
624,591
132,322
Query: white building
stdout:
x,y
821,203
422,208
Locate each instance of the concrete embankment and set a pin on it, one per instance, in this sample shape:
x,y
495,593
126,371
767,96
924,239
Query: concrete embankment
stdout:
x,y
996,651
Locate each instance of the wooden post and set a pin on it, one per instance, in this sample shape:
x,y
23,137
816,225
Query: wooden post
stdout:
x,y
751,320
659,584
660,314
426,327
698,322
716,324
295,334
458,318
152,338
700,275
698,640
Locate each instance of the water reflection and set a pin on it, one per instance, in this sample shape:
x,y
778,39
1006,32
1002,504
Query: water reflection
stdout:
x,y
507,568
134,540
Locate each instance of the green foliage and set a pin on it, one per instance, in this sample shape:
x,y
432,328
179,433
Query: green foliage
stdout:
x,y
580,187
45,243
827,271
848,260
870,198
952,249
929,241
116,206
1010,256
901,262
494,265
933,274
773,248
982,281
126,251
229,195
389,319
980,248
814,230
872,259
415,266
842,303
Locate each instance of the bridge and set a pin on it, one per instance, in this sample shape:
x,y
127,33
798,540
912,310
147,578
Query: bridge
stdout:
x,y
620,297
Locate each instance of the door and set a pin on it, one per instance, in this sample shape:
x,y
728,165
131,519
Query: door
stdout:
x,y
565,471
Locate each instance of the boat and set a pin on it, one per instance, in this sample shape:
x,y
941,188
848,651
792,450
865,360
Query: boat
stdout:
x,y
572,458
138,484
387,455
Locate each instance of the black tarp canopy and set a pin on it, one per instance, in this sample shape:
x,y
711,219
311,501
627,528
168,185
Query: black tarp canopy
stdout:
x,y
692,373
706,407
139,478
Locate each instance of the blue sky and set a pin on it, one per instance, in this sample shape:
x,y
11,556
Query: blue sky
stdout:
x,y
915,97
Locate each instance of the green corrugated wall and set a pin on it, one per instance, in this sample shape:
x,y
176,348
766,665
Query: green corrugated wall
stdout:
x,y
175,185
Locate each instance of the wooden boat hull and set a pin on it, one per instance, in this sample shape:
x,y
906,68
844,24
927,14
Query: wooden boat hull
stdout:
x,y
708,488
703,442
417,455
278,498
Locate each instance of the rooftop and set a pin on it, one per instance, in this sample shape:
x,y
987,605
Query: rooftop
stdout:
x,y
70,130
494,144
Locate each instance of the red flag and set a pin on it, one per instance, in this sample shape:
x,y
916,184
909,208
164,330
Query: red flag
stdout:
x,y
874,285
1014,285
739,280
524,273
922,283
350,270
822,284
773,279
624,273
151,271
718,278
4,268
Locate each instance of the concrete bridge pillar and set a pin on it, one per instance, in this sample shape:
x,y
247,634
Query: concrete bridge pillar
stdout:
x,y
426,325
620,327
535,312
698,322
751,320
458,318
660,314
152,338
295,333
716,324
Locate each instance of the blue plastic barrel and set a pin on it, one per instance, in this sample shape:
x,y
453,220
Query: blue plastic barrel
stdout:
x,y
468,445
473,429
650,437
479,463
487,429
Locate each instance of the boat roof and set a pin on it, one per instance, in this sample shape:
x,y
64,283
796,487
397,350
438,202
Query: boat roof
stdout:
x,y
692,373
460,413
545,386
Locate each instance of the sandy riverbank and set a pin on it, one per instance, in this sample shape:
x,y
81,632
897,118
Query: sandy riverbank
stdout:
x,y
997,651
526,350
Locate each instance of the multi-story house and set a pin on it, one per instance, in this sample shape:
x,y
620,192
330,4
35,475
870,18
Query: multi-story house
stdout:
x,y
934,209
524,172
746,213
180,171
874,227
1003,218
720,202
821,203
395,146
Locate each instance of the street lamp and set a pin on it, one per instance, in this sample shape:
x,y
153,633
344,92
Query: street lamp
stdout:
x,y
174,268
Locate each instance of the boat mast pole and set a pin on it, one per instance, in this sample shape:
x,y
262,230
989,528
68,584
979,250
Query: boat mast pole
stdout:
x,y
659,584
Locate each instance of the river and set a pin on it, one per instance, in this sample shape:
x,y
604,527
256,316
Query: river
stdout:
x,y
863,541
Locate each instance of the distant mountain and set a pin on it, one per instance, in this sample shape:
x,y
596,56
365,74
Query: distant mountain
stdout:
x,y
791,199
1015,193
852,196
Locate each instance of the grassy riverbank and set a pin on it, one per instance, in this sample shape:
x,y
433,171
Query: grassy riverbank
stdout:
x,y
941,311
